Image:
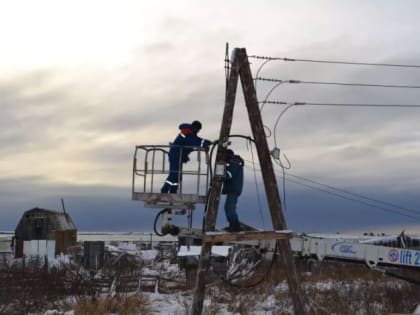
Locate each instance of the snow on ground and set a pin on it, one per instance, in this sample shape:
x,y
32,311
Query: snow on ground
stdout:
x,y
217,300
269,301
169,303
193,250
149,255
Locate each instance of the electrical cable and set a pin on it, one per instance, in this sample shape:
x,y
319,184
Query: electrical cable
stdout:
x,y
283,184
339,83
357,200
256,188
355,194
269,93
278,119
264,102
258,72
243,137
289,105
214,144
342,104
335,62
156,219
279,82
403,209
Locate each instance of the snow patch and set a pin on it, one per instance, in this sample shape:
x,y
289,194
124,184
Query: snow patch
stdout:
x,y
196,251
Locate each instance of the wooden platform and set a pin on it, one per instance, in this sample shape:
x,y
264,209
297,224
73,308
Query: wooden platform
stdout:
x,y
215,237
173,201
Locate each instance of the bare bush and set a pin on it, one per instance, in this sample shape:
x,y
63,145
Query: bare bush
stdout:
x,y
120,304
31,288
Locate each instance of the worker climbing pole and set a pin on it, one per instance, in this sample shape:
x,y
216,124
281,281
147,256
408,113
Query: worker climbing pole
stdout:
x,y
240,68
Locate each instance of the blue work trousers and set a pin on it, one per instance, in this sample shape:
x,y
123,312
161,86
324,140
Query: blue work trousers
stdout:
x,y
230,209
175,176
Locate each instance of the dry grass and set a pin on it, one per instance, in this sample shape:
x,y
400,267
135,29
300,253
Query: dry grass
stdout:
x,y
333,288
121,304
348,288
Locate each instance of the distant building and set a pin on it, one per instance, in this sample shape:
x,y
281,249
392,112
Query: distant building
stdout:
x,y
43,224
94,254
5,251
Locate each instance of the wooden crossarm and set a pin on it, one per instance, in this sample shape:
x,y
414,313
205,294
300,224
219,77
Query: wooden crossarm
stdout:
x,y
214,237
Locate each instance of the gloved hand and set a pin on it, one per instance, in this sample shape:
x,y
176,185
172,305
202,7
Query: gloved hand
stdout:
x,y
226,144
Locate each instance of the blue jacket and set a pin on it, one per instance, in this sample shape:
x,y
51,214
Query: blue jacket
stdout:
x,y
187,137
234,176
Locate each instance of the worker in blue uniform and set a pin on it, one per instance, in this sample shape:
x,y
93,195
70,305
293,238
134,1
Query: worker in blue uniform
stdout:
x,y
232,187
179,152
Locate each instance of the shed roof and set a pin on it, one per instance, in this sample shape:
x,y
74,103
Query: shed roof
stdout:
x,y
60,220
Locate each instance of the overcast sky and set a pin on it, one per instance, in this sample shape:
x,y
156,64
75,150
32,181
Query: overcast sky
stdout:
x,y
83,82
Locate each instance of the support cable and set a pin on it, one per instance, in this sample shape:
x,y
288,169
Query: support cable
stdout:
x,y
290,105
339,83
252,141
341,104
283,169
354,196
256,187
335,62
416,218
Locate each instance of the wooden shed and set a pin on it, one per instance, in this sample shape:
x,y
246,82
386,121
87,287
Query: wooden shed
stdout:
x,y
43,224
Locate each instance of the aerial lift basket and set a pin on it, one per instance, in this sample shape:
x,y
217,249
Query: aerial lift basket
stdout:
x,y
151,167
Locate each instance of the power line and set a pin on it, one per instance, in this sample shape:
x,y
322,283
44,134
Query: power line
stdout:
x,y
278,119
354,194
356,200
354,197
256,186
340,104
335,62
337,83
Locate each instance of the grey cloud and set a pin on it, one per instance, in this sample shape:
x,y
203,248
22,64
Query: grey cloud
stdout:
x,y
174,24
100,207
190,94
161,47
391,139
357,152
309,124
30,109
109,156
185,85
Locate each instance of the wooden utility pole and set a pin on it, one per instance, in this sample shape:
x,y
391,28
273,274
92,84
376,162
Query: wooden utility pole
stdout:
x,y
270,183
241,68
216,186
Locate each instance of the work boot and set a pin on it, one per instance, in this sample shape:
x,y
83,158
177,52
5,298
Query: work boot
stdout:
x,y
165,188
236,227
